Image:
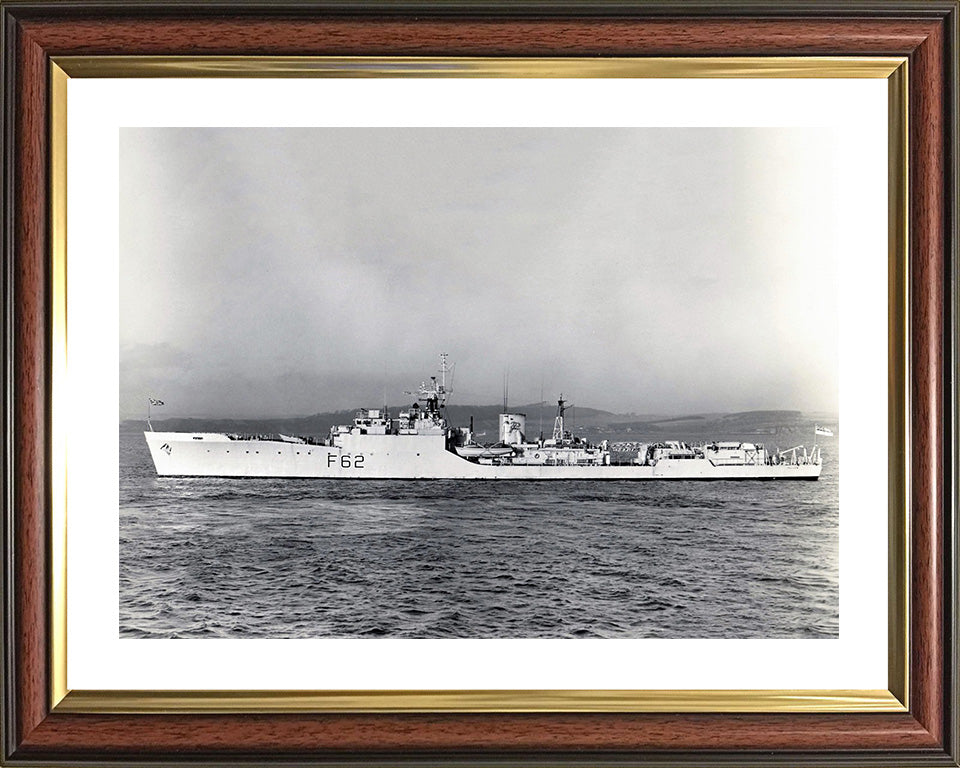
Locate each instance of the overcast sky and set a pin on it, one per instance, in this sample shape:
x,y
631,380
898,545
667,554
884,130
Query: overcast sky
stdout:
x,y
269,272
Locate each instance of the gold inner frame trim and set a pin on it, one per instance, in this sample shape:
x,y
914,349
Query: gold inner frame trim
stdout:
x,y
894,69
433,66
898,384
131,702
58,368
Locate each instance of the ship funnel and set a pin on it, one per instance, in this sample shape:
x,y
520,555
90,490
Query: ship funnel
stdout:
x,y
513,427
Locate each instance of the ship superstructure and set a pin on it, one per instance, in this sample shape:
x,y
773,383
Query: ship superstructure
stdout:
x,y
420,444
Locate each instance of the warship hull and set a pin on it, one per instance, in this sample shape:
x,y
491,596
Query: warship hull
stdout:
x,y
414,457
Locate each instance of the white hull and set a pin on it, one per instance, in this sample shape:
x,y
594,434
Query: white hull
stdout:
x,y
206,454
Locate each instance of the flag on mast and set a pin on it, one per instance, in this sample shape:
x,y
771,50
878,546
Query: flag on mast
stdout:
x,y
155,402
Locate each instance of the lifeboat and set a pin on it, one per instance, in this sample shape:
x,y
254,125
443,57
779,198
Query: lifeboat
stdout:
x,y
474,451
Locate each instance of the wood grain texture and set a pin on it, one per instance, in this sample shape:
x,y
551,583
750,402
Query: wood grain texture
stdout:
x,y
30,382
41,736
927,313
424,37
430,733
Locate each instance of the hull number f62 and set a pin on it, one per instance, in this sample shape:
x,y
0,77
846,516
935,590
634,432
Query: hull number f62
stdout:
x,y
346,461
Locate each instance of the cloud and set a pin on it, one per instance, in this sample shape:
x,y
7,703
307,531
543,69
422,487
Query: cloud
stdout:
x,y
642,269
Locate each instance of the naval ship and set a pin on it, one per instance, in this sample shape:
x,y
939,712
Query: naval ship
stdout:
x,y
419,444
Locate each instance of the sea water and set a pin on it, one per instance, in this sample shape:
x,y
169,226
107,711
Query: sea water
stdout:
x,y
268,558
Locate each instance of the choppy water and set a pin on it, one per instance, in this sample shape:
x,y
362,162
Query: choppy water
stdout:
x,y
329,558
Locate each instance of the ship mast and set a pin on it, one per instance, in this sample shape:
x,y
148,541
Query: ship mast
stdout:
x,y
444,370
434,394
558,422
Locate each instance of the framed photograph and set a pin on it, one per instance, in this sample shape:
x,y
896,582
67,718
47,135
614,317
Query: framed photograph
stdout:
x,y
542,383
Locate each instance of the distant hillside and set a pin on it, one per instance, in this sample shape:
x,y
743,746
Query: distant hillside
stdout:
x,y
485,419
585,421
316,425
746,423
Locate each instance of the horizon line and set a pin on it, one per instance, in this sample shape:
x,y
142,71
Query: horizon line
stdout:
x,y
662,416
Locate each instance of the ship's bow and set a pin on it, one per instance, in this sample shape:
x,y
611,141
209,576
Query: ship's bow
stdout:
x,y
160,452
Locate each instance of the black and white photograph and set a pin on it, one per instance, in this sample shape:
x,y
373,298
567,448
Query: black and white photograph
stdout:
x,y
554,383
489,383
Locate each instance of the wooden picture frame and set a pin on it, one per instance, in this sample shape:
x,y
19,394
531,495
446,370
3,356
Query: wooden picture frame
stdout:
x,y
40,728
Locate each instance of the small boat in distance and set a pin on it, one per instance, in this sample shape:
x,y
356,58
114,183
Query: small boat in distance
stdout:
x,y
823,431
